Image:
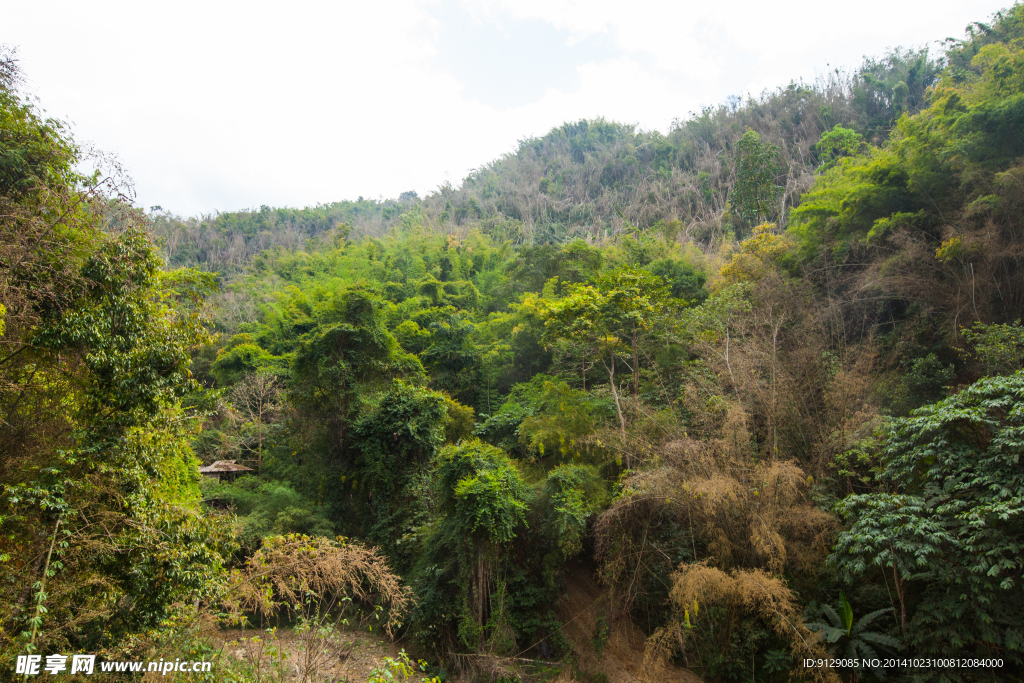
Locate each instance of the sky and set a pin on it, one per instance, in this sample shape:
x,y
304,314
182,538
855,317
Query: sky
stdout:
x,y
219,106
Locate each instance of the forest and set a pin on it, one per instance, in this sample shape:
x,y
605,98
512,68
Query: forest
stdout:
x,y
742,401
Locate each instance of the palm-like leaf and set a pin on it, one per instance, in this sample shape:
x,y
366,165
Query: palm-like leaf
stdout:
x,y
866,620
832,615
880,639
846,612
830,633
851,639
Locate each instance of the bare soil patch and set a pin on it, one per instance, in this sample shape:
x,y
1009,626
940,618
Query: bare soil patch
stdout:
x,y
622,656
352,658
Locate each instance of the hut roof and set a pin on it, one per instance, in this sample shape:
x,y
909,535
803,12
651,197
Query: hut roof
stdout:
x,y
224,466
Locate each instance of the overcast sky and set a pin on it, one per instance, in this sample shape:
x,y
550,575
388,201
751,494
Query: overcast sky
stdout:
x,y
221,105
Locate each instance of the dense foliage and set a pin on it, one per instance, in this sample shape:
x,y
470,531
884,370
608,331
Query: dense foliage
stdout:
x,y
103,534
765,364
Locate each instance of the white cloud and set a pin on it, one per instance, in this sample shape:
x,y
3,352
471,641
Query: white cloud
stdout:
x,y
217,105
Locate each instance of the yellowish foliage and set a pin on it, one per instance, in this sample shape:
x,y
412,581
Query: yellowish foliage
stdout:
x,y
746,514
757,256
310,575
950,249
743,593
458,423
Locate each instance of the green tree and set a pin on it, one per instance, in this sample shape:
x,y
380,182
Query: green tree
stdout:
x,y
837,143
999,348
572,495
482,502
122,494
267,508
451,357
684,281
610,320
99,498
950,529
545,419
756,193
348,357
397,439
242,357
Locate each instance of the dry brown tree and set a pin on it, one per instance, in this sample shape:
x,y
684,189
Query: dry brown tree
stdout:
x,y
255,396
785,355
313,580
740,593
739,513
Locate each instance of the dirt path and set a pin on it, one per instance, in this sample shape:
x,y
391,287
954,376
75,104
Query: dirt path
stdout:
x,y
352,659
623,654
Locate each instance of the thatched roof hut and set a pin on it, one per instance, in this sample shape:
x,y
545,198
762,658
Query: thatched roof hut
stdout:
x,y
224,469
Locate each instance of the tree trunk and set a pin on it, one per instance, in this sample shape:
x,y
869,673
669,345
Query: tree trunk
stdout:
x,y
636,366
618,405
41,595
903,603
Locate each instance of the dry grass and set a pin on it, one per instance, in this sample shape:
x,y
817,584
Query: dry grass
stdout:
x,y
312,579
747,515
743,592
290,570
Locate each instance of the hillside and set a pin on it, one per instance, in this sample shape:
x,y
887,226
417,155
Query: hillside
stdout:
x,y
598,178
